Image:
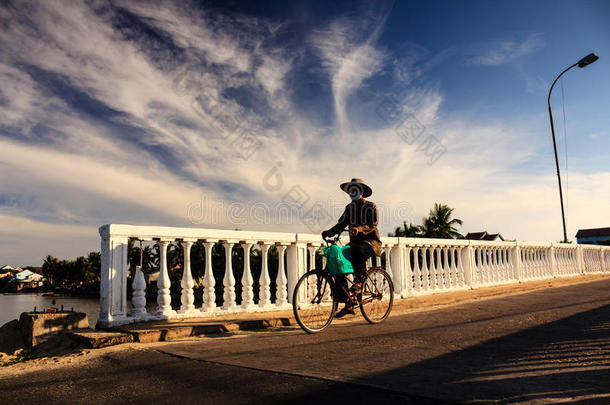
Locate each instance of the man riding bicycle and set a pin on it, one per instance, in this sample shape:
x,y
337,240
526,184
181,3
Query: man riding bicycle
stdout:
x,y
361,217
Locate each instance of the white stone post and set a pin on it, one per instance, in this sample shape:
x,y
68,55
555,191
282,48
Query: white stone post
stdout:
x,y
264,294
296,259
388,262
467,264
164,298
580,259
113,278
209,293
281,295
247,293
398,269
187,298
228,282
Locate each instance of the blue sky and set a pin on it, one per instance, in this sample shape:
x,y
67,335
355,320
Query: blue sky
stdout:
x,y
185,113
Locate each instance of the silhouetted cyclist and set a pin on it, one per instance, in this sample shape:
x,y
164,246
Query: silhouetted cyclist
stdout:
x,y
361,217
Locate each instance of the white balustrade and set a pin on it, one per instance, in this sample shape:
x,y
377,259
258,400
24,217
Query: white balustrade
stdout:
x,y
418,266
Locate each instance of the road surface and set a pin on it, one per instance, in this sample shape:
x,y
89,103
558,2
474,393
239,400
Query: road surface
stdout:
x,y
547,346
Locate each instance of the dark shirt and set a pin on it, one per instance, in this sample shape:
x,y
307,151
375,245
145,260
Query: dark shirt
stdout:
x,y
361,215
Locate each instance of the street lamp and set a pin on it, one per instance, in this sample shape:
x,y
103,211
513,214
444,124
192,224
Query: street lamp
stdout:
x,y
587,60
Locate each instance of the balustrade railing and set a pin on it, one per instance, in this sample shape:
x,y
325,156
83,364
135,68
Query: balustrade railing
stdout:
x,y
417,266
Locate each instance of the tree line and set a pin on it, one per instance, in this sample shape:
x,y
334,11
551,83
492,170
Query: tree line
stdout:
x,y
82,272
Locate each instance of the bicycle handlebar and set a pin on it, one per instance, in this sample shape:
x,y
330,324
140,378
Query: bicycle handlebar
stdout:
x,y
335,239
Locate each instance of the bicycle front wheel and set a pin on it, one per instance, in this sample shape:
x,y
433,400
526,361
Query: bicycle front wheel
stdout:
x,y
377,295
313,301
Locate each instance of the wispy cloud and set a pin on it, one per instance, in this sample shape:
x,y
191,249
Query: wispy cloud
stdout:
x,y
128,112
347,48
506,51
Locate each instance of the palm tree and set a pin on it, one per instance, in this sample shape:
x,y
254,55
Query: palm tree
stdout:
x,y
408,230
439,223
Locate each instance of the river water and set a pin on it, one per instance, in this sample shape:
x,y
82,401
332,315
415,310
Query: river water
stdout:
x,y
12,305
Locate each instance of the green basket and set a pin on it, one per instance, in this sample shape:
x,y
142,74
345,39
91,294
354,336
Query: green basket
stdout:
x,y
338,260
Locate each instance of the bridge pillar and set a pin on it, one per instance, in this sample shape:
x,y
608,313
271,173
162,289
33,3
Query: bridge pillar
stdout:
x,y
296,260
113,278
398,269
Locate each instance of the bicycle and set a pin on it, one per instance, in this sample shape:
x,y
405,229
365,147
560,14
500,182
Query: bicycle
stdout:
x,y
314,300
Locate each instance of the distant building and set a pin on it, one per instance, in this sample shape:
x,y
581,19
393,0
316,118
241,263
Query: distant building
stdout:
x,y
7,271
484,236
28,279
593,236
22,275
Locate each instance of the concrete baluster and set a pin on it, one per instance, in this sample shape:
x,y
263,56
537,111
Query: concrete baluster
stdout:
x,y
209,292
408,278
265,280
281,295
247,292
228,282
187,298
417,277
426,279
164,298
138,299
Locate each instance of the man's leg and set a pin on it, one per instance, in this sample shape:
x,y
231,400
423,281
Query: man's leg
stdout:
x,y
361,252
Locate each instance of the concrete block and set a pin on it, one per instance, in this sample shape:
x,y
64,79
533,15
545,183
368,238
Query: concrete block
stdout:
x,y
38,327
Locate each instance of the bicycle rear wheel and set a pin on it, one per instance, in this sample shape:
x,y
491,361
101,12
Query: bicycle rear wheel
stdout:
x,y
313,301
377,295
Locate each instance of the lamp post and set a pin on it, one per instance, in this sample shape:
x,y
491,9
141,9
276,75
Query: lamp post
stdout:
x,y
587,60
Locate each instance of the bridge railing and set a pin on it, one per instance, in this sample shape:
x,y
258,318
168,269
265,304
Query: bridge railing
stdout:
x,y
417,265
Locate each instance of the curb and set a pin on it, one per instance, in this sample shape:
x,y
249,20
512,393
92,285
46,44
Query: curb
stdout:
x,y
169,332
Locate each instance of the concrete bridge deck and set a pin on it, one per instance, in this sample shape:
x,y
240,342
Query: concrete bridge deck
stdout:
x,y
544,346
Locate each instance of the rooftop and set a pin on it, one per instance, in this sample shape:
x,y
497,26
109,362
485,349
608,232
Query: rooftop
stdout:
x,y
593,232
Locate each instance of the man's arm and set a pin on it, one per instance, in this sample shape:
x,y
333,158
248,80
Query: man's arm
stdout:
x,y
341,224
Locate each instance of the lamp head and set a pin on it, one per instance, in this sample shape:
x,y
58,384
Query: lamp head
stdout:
x,y
587,60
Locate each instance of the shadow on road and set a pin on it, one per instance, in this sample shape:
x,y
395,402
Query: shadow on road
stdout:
x,y
568,359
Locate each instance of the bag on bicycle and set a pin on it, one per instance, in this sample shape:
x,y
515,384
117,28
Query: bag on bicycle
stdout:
x,y
338,260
